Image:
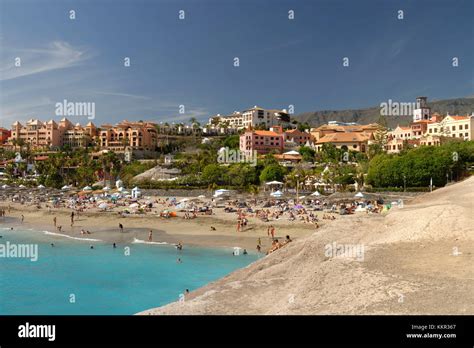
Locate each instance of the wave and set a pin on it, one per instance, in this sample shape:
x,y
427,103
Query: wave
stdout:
x,y
139,241
70,237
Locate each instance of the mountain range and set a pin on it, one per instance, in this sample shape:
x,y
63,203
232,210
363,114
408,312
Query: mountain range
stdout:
x,y
457,106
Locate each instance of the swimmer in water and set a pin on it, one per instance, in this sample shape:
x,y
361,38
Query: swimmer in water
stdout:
x,y
179,261
115,245
11,228
52,245
92,247
245,252
179,246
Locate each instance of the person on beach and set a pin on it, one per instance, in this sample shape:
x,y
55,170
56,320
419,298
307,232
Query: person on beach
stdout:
x,y
72,218
259,241
259,248
121,227
272,231
22,218
238,225
150,236
288,239
54,221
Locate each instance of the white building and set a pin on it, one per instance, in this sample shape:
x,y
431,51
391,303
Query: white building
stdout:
x,y
422,110
453,126
258,116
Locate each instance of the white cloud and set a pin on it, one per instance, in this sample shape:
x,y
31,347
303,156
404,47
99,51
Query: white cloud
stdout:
x,y
57,55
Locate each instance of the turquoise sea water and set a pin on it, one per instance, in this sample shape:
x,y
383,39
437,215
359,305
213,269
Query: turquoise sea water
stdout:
x,y
104,280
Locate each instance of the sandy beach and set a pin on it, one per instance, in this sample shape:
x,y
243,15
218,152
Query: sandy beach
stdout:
x,y
416,260
105,226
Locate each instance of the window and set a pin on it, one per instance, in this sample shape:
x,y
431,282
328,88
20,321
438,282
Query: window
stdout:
x,y
354,146
466,134
453,127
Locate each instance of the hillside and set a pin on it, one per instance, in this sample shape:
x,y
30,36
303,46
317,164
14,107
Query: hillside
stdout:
x,y
458,106
408,266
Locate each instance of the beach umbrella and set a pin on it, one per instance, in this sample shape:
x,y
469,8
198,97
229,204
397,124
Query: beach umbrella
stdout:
x,y
292,152
65,187
22,186
5,186
298,206
302,197
87,188
316,193
41,187
103,205
120,189
276,194
359,195
134,205
274,183
201,196
106,188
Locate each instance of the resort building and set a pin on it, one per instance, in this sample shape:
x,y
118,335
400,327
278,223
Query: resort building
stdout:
x,y
136,135
45,135
400,132
355,141
266,118
332,127
4,135
395,145
252,118
35,134
453,126
235,121
297,136
76,136
262,141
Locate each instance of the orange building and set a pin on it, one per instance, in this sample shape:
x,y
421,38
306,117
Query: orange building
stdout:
x,y
261,141
4,135
137,135
38,134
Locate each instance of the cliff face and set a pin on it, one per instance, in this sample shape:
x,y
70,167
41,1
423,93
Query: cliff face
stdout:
x,y
416,260
458,106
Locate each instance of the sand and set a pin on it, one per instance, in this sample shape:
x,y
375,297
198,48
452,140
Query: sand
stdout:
x,y
197,232
417,260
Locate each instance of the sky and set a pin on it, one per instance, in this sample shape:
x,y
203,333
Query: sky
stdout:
x,y
190,62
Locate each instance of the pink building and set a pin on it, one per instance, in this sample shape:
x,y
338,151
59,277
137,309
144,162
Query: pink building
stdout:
x,y
261,141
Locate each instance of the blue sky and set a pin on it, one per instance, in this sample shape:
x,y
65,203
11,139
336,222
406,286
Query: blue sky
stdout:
x,y
190,62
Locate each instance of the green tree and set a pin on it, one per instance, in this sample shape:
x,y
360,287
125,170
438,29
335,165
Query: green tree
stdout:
x,y
272,172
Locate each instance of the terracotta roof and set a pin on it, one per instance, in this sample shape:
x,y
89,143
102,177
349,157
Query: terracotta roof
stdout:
x,y
459,118
423,121
287,157
266,133
344,137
